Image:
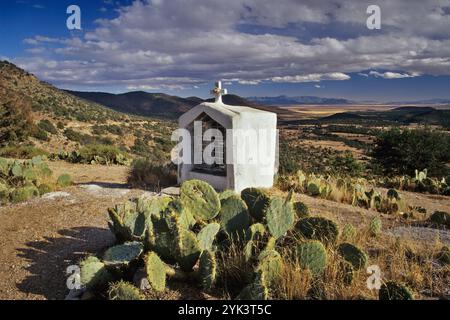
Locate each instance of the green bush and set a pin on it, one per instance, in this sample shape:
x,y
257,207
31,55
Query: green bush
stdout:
x,y
346,165
22,152
147,175
40,134
46,125
64,180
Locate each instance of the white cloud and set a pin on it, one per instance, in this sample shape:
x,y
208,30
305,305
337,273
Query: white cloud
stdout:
x,y
315,77
190,42
392,75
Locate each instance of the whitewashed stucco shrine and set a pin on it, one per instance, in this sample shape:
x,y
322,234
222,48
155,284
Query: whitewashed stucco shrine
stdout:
x,y
245,157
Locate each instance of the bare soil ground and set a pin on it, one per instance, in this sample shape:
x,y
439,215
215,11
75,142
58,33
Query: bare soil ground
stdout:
x,y
41,238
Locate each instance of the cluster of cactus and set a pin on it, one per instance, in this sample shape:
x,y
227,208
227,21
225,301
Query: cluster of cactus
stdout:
x,y
179,239
420,182
76,156
355,191
440,219
23,180
375,200
392,290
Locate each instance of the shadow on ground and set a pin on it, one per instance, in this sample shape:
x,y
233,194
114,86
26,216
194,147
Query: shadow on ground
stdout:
x,y
49,259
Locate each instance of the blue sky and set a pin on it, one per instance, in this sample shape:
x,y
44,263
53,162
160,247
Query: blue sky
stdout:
x,y
257,47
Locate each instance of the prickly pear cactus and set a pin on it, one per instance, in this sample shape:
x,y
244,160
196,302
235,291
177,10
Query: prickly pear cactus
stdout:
x,y
301,210
24,194
122,255
199,198
234,217
375,227
440,218
443,256
392,194
353,255
257,290
93,274
225,194
159,237
255,232
187,249
207,235
128,224
207,269
257,200
348,232
312,256
124,291
313,189
280,216
156,271
392,290
346,272
317,228
270,264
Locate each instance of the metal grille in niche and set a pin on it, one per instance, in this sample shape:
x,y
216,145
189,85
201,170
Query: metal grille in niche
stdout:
x,y
219,167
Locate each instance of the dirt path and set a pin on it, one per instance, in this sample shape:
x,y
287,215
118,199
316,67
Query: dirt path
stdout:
x,y
40,238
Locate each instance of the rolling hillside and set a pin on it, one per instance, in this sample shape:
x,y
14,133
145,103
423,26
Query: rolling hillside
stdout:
x,y
141,103
58,121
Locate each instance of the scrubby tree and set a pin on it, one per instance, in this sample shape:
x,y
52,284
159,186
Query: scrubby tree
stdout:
x,y
16,121
399,151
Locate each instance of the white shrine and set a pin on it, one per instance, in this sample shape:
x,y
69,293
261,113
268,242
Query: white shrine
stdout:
x,y
230,147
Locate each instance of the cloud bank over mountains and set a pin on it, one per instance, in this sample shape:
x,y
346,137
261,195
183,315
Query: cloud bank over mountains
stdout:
x,y
184,43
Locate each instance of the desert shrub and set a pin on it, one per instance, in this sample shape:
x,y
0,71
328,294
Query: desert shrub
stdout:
x,y
103,154
148,175
16,122
40,134
22,152
346,165
403,151
60,125
86,139
64,180
141,148
46,125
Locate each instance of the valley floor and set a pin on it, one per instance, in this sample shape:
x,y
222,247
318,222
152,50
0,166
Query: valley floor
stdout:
x,y
41,238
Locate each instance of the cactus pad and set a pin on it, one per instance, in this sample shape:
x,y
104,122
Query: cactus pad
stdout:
x,y
353,255
93,274
234,217
280,216
317,228
257,201
395,291
122,255
207,235
312,255
124,291
200,199
270,264
187,249
156,271
301,210
207,269
375,227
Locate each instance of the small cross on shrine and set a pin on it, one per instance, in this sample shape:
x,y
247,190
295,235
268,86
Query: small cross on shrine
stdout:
x,y
218,92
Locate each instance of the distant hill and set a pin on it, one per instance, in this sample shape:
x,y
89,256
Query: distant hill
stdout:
x,y
35,113
142,103
234,100
285,100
